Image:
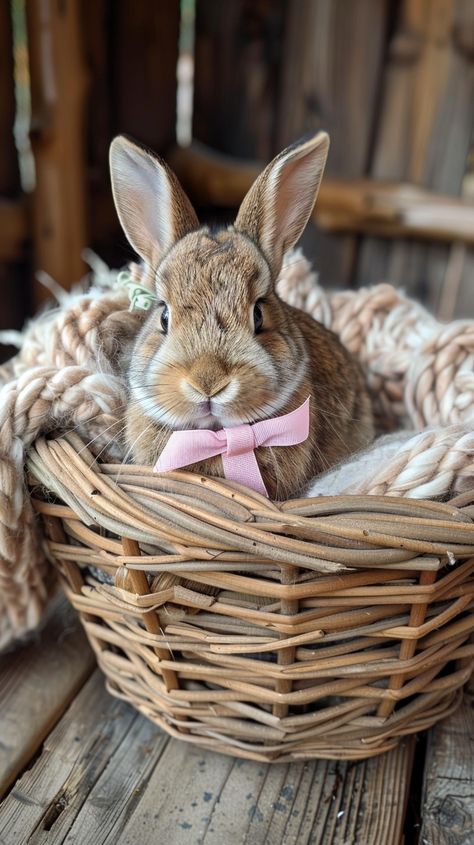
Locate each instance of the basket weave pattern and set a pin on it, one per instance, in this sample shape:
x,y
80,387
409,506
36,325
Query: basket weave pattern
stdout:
x,y
327,627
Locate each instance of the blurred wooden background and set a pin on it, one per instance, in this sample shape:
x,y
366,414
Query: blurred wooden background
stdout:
x,y
391,80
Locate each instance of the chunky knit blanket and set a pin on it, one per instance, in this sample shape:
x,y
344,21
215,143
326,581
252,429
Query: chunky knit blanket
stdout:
x,y
69,374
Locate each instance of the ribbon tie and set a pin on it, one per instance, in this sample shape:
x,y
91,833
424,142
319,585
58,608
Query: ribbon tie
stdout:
x,y
236,445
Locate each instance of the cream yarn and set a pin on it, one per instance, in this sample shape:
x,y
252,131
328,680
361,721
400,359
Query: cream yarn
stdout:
x,y
69,374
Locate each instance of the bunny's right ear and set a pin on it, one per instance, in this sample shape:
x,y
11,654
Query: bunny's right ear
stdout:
x,y
152,207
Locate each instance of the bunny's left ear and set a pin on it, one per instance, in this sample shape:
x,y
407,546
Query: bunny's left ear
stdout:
x,y
277,207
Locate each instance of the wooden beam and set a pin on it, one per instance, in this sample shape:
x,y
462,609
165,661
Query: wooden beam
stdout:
x,y
394,210
58,90
389,210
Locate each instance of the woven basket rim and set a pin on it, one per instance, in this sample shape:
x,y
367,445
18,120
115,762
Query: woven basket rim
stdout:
x,y
325,534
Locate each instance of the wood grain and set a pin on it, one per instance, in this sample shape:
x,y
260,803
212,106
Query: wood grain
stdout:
x,y
210,799
448,792
37,682
131,51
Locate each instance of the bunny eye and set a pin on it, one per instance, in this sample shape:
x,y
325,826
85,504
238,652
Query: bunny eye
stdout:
x,y
257,318
164,319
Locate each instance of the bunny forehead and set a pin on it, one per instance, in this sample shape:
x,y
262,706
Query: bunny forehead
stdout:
x,y
209,262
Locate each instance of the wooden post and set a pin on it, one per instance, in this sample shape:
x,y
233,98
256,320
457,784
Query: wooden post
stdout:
x,y
9,175
13,219
332,63
145,56
423,135
237,67
58,91
132,50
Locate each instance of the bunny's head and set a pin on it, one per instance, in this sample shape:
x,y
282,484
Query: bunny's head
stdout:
x,y
219,347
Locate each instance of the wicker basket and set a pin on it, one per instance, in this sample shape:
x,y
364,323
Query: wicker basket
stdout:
x,y
236,624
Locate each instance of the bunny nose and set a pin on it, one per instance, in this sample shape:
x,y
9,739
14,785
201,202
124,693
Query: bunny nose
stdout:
x,y
208,377
206,389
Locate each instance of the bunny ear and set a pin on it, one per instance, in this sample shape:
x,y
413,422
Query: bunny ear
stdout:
x,y
152,207
276,210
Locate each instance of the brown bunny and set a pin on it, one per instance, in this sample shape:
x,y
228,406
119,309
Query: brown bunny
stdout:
x,y
220,348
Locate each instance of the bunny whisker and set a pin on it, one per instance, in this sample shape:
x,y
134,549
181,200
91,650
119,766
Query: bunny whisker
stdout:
x,y
101,434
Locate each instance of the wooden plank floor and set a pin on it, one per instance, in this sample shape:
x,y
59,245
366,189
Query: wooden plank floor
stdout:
x,y
448,794
37,682
104,774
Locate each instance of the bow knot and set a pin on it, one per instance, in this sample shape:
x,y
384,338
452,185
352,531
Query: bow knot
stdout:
x,y
240,439
236,445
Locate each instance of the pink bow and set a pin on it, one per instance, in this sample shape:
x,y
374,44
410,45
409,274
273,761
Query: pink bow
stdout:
x,y
236,445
